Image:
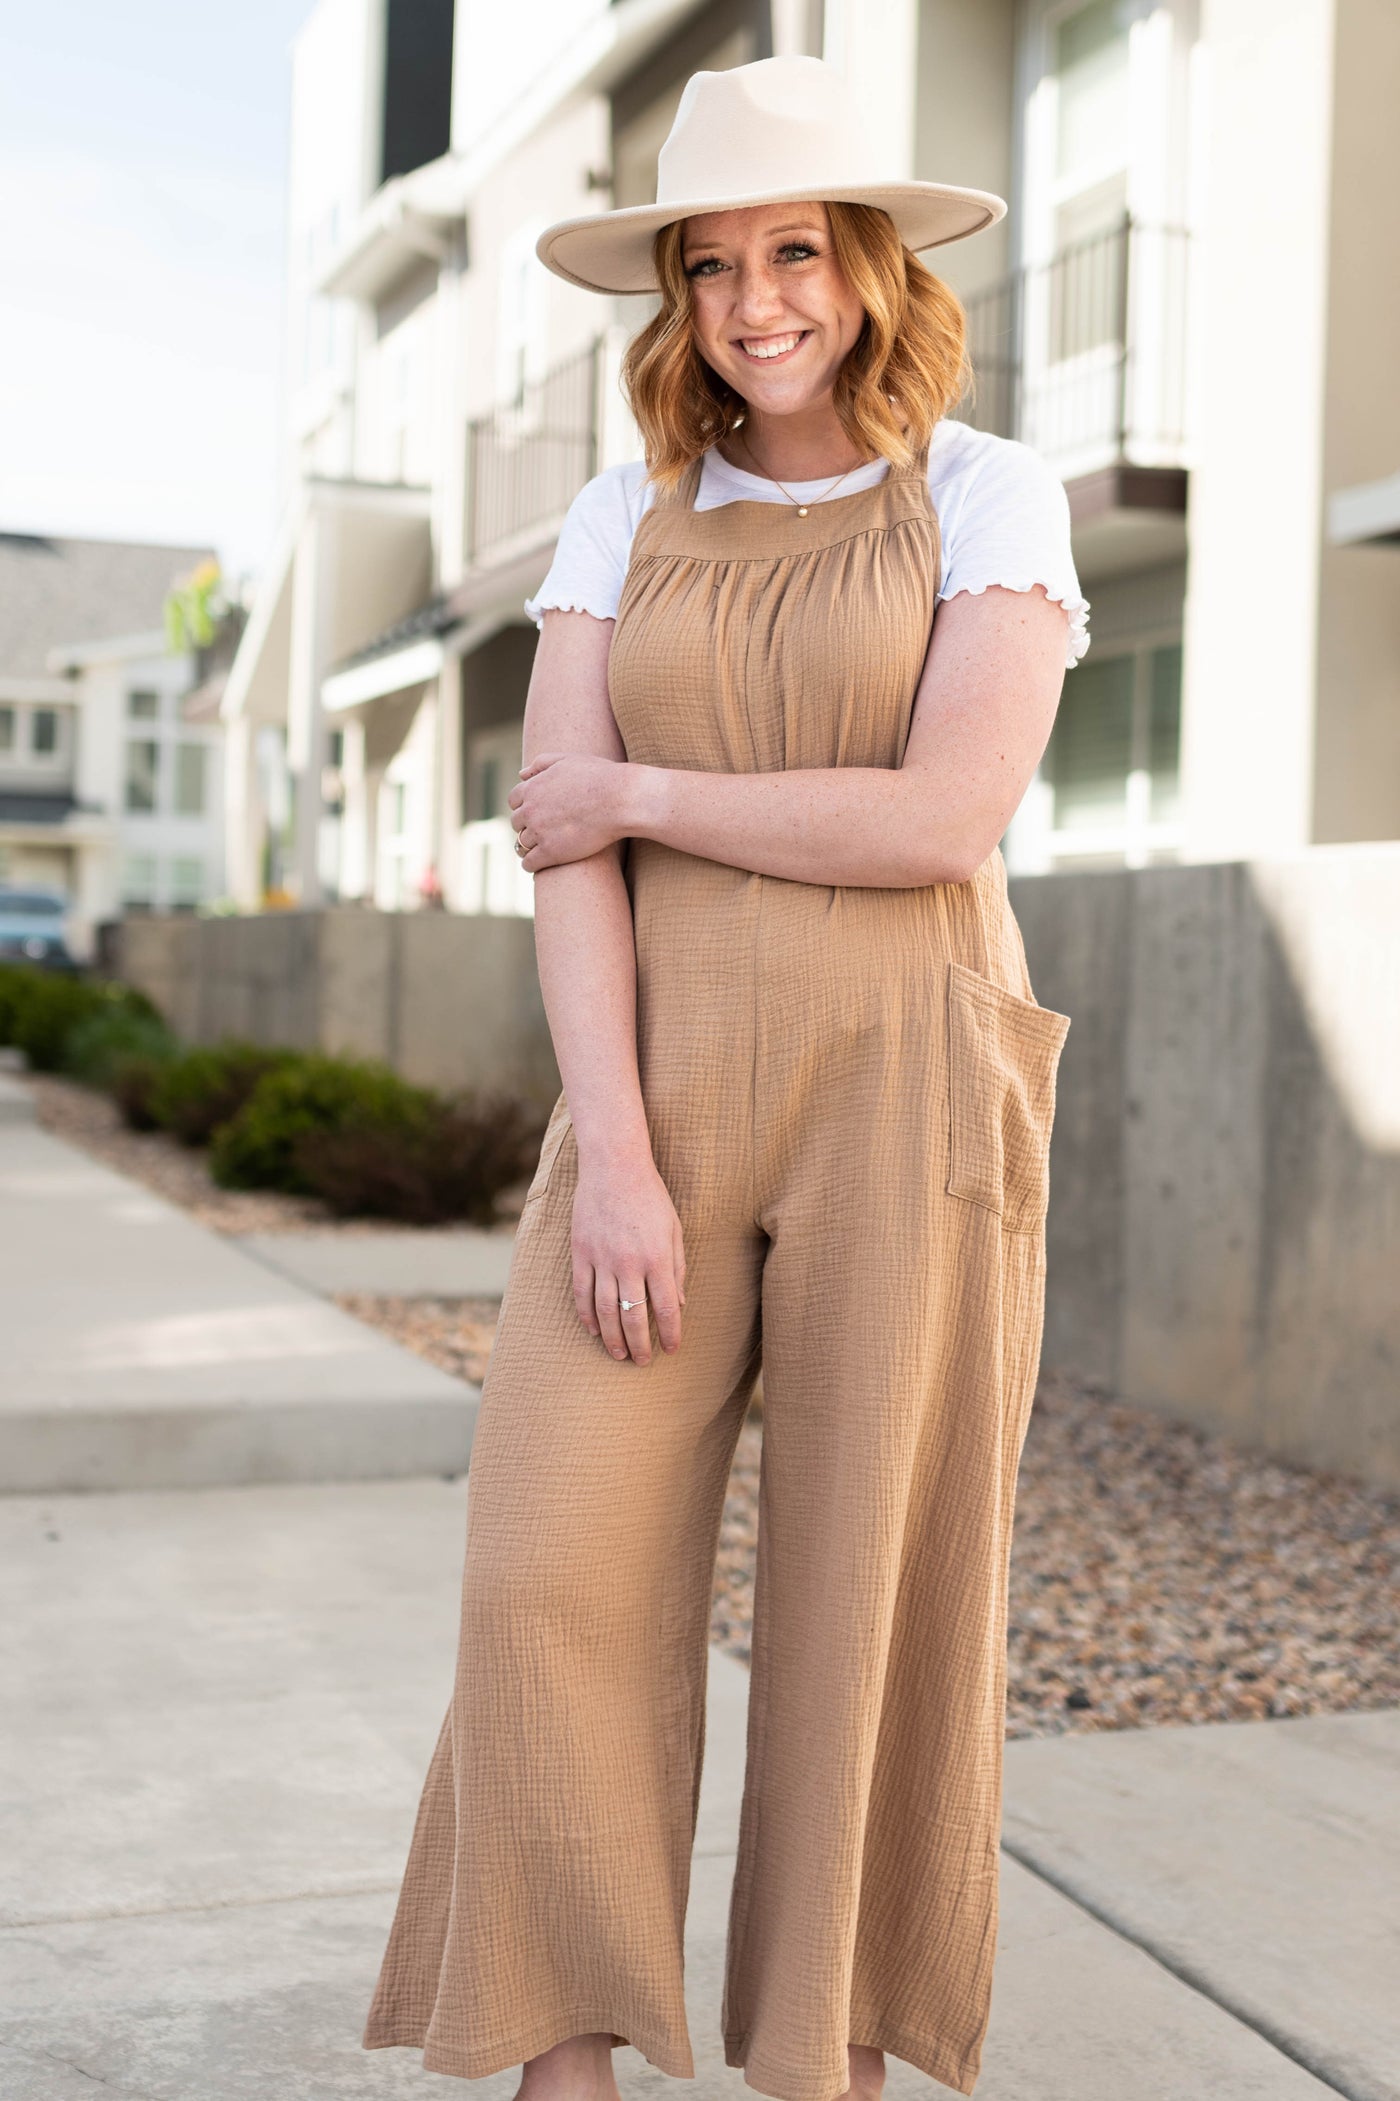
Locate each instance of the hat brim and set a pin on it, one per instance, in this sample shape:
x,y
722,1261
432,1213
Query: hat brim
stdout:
x,y
611,251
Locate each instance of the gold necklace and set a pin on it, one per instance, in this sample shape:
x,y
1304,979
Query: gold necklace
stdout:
x,y
801,507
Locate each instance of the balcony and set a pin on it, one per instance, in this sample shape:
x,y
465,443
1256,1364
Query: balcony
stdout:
x,y
527,459
1084,358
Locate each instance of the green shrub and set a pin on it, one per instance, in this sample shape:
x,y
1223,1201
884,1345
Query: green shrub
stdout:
x,y
256,1149
133,1081
16,979
95,1048
39,1009
48,1012
206,1087
452,1165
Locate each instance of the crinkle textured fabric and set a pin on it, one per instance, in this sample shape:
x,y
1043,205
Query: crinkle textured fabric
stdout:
x,y
850,1094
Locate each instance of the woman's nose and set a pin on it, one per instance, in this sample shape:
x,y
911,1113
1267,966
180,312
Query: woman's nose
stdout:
x,y
759,297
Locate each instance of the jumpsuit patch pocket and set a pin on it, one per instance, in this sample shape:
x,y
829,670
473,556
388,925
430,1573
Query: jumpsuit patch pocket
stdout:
x,y
1003,1055
556,1131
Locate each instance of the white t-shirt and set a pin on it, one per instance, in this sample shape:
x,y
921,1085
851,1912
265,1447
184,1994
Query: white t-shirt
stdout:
x,y
1003,515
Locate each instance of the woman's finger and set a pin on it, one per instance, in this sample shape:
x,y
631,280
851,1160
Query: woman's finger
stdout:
x,y
605,1299
585,1284
665,1305
636,1321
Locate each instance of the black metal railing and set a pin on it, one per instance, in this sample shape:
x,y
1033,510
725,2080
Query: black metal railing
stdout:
x,y
1085,354
528,458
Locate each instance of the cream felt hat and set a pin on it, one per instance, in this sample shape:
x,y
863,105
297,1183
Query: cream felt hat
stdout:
x,y
776,130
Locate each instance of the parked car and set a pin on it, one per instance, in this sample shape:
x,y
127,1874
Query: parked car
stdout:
x,y
34,928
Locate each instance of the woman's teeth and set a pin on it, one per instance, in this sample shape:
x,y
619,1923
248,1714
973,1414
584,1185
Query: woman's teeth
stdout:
x,y
772,346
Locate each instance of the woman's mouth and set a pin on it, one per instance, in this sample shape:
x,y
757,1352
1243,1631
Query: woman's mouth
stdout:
x,y
772,350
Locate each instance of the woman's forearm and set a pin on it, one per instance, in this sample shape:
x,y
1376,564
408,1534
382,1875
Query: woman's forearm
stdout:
x,y
587,959
860,825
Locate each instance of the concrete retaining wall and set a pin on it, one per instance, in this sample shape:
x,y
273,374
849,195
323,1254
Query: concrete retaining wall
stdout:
x,y
448,1000
1224,1238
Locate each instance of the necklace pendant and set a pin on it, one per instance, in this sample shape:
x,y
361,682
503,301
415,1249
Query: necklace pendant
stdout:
x,y
801,510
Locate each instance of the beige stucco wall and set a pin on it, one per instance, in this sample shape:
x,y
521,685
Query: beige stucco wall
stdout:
x,y
1356,783
964,123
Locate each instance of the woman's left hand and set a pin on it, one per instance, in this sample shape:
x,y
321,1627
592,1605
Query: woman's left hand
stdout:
x,y
567,806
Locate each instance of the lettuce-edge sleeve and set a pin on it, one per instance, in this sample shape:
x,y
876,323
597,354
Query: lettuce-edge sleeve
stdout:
x,y
590,555
1012,529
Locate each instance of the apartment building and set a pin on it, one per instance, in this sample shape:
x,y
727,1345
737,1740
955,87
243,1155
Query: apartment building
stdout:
x,y
1185,310
109,793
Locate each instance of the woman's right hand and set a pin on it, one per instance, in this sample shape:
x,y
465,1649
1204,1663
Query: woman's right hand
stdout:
x,y
627,1244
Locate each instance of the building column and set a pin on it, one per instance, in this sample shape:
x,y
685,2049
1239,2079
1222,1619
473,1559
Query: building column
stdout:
x,y
313,580
355,863
245,818
1258,316
447,771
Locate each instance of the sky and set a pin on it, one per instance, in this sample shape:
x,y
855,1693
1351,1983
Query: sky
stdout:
x,y
143,149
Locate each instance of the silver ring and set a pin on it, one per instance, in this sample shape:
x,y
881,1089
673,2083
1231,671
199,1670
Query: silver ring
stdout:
x,y
520,846
628,1304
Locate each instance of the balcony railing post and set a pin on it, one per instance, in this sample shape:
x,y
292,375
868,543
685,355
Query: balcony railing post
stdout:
x,y
598,366
1124,274
1016,354
471,524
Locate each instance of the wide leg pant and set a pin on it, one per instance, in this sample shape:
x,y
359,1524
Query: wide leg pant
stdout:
x,y
870,1223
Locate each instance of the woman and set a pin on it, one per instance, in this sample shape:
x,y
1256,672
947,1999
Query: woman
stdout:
x,y
805,1122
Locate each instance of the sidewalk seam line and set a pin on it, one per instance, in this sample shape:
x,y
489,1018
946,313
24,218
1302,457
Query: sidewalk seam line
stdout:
x,y
168,1911
1286,2045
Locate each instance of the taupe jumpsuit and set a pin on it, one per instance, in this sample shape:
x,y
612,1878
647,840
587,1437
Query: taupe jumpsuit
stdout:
x,y
849,1093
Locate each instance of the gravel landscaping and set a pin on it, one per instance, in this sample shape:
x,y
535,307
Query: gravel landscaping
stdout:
x,y
1159,1575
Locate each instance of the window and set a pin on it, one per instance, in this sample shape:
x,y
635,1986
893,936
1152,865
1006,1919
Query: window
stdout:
x,y
186,882
190,762
1091,64
139,882
521,315
1091,748
43,732
1112,763
7,729
142,773
143,705
1164,733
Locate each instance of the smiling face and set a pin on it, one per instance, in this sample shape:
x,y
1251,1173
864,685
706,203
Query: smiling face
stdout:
x,y
773,312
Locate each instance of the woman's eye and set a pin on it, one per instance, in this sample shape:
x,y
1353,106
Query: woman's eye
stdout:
x,y
707,265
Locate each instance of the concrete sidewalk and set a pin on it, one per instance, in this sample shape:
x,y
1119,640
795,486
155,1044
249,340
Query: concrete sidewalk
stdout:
x,y
229,1700
427,1262
142,1350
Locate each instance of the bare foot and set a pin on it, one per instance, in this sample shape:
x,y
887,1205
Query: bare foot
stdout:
x,y
867,2073
580,2069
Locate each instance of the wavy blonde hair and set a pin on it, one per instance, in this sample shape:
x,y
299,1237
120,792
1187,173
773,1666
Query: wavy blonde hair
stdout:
x,y
907,368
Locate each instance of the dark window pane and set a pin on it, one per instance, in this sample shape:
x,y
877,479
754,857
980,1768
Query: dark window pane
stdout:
x,y
1164,731
189,779
1090,750
142,758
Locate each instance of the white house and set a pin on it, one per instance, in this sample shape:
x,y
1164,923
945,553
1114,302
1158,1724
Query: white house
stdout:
x,y
1183,311
107,793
